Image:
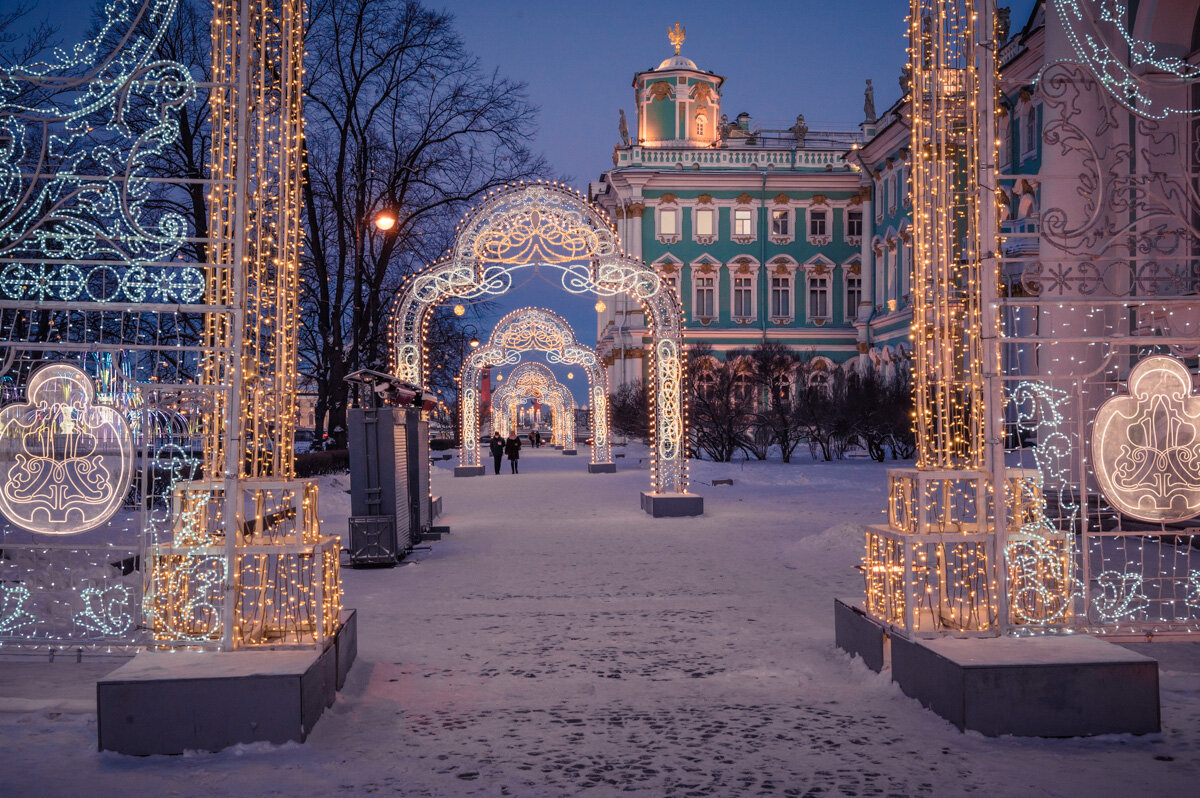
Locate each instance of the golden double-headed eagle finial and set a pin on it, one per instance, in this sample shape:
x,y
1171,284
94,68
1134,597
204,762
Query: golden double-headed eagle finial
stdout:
x,y
676,36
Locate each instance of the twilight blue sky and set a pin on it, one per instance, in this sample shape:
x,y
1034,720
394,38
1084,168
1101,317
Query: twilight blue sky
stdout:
x,y
779,58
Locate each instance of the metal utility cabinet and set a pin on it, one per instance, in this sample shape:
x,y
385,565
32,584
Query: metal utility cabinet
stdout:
x,y
389,483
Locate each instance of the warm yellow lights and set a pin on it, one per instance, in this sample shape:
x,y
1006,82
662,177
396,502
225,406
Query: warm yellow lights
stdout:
x,y
600,306
459,309
570,375
248,565
385,220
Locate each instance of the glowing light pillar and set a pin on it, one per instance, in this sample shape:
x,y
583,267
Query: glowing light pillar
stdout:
x,y
248,516
932,568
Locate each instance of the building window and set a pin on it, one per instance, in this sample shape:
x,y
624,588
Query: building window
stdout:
x,y
743,388
1030,144
853,295
701,119
743,297
779,222
816,223
854,224
706,383
669,281
818,297
705,298
667,225
781,297
743,224
902,187
704,222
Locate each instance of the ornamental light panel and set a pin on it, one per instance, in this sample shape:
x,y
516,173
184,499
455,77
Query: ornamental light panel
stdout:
x,y
66,462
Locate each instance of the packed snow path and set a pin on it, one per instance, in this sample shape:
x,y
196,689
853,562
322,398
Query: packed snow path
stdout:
x,y
560,642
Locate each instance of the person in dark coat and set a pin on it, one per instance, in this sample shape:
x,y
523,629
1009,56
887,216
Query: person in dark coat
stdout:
x,y
497,447
537,439
512,447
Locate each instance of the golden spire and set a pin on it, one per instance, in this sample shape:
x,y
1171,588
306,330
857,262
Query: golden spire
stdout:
x,y
676,35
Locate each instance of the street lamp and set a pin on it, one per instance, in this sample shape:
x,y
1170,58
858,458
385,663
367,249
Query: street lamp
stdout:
x,y
385,220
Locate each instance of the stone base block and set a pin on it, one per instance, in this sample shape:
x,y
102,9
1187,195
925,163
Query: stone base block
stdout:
x,y
346,644
857,633
435,508
570,451
468,471
1062,686
168,702
672,505
602,468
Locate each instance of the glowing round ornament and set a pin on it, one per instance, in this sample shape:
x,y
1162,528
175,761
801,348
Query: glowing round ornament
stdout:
x,y
65,463
1146,444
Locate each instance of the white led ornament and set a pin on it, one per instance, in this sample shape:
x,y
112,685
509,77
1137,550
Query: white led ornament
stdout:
x,y
65,462
1146,444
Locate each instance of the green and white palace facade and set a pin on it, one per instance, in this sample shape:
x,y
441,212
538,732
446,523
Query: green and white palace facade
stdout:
x,y
766,235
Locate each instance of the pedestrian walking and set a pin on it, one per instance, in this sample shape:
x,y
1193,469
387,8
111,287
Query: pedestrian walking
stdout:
x,y
512,447
537,439
497,447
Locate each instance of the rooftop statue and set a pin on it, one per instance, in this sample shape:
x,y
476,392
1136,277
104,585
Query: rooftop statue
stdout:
x,y
623,129
799,130
869,102
676,36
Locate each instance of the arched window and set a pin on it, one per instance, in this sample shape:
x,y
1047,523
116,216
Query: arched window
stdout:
x,y
701,123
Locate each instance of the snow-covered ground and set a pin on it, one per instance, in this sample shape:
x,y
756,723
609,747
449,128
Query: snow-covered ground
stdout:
x,y
560,642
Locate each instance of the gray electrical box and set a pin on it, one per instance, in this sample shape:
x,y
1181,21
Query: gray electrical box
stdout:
x,y
389,483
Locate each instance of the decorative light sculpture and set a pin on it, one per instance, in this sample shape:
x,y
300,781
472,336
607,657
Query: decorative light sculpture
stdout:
x,y
249,565
93,280
553,227
66,463
932,568
534,330
535,381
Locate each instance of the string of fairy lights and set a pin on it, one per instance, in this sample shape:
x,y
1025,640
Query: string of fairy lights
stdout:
x,y
250,521
932,567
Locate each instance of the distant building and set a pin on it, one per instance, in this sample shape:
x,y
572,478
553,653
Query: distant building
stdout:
x,y
760,231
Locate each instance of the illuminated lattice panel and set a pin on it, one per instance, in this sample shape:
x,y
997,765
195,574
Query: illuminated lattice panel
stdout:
x,y
935,501
1039,558
924,585
287,574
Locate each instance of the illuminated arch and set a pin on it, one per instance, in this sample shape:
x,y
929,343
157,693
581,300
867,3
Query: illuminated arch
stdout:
x,y
535,381
538,330
553,227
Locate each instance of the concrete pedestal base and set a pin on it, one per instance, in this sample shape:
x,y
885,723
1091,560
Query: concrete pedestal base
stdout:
x,y
672,505
1047,686
435,507
570,451
175,701
468,471
602,468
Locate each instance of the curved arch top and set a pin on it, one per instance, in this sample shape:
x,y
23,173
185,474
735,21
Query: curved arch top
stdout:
x,y
534,329
544,225
534,380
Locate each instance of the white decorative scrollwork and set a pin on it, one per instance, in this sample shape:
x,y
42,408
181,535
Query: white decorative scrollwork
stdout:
x,y
534,329
1146,445
65,461
548,226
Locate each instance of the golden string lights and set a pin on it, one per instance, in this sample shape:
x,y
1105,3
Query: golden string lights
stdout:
x,y
932,567
249,566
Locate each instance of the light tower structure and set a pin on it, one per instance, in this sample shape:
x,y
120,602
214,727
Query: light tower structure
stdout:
x,y
248,565
933,567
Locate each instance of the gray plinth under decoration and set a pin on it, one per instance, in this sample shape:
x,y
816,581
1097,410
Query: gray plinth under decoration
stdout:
x,y
1041,686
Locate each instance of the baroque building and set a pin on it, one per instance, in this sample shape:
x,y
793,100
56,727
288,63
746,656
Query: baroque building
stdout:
x,y
760,232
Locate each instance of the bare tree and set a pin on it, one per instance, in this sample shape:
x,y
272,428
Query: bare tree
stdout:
x,y
631,410
400,119
721,412
775,369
